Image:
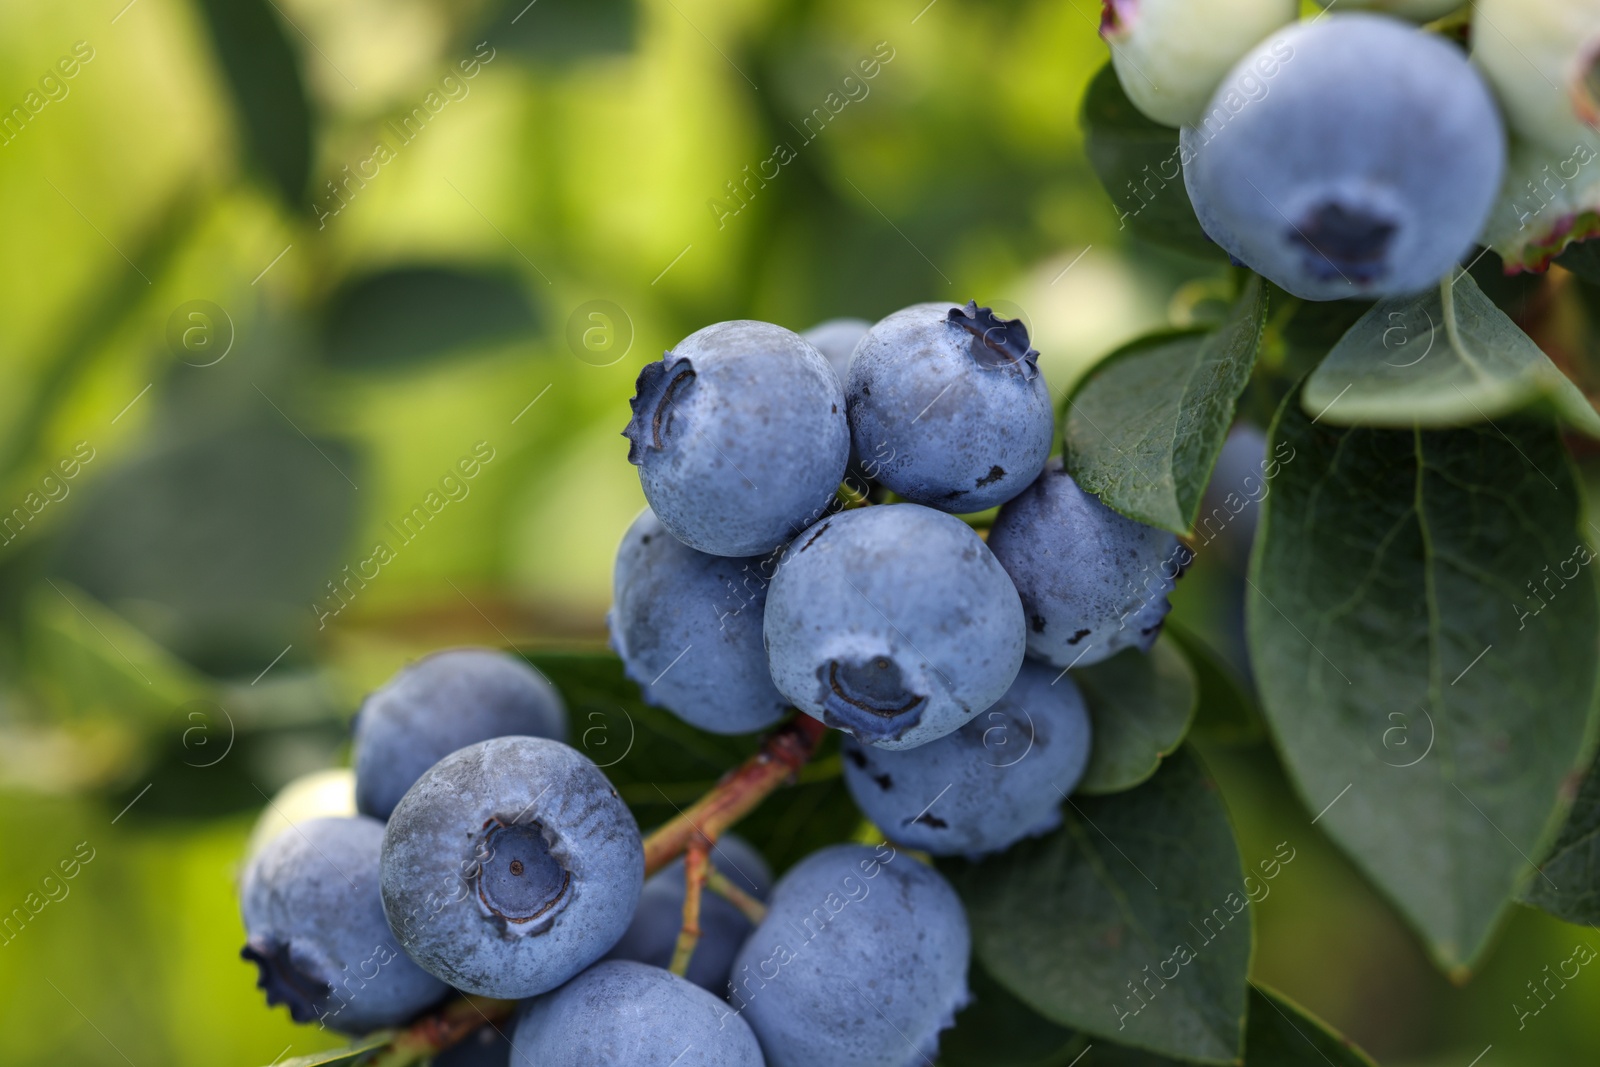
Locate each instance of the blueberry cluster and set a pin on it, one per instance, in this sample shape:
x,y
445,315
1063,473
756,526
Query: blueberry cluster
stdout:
x,y
805,549
1357,154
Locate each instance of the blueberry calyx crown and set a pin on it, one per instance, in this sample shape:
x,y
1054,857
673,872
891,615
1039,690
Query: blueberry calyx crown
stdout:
x,y
519,878
658,386
1343,241
1117,16
1007,339
869,699
285,981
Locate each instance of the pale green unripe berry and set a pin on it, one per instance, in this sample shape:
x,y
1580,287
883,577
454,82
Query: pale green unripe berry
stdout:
x,y
1415,10
1550,199
1170,55
1543,59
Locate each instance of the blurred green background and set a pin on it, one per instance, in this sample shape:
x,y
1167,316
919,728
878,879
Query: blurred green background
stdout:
x,y
274,267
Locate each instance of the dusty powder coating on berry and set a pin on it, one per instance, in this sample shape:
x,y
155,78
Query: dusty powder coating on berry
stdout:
x,y
316,929
740,437
998,779
439,704
836,339
510,866
688,629
622,1012
893,623
1092,582
948,407
1364,164
860,962
653,934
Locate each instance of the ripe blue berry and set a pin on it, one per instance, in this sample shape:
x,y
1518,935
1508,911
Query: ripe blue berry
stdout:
x,y
893,623
1092,582
624,1013
837,339
860,962
439,704
688,629
1171,54
1364,165
948,407
998,779
740,437
315,927
510,866
723,927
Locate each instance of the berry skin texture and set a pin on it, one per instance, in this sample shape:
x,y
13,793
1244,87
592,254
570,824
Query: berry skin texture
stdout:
x,y
1092,582
510,866
653,934
998,779
315,928
860,962
1170,55
740,437
442,703
893,623
1364,165
948,407
625,1014
688,629
836,339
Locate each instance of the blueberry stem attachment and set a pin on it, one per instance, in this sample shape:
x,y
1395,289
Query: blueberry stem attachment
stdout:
x,y
739,792
695,861
723,886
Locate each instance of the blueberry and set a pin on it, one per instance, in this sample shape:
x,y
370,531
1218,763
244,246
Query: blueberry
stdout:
x,y
948,407
723,927
1092,582
998,779
688,629
625,1014
310,796
893,623
740,437
1349,156
837,339
441,703
510,866
860,962
315,927
1171,54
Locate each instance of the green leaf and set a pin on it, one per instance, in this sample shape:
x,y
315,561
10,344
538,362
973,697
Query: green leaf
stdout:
x,y
343,1057
408,315
1425,704
1569,887
263,71
1141,891
1137,161
998,1030
1226,708
1145,427
1445,357
660,764
1140,707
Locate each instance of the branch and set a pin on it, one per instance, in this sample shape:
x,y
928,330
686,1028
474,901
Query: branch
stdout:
x,y
723,886
694,872
432,1034
741,790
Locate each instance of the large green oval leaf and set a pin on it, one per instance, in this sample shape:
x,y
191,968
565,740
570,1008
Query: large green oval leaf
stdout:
x,y
404,316
1146,426
1140,707
1569,887
1138,162
1445,357
1427,705
1130,922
